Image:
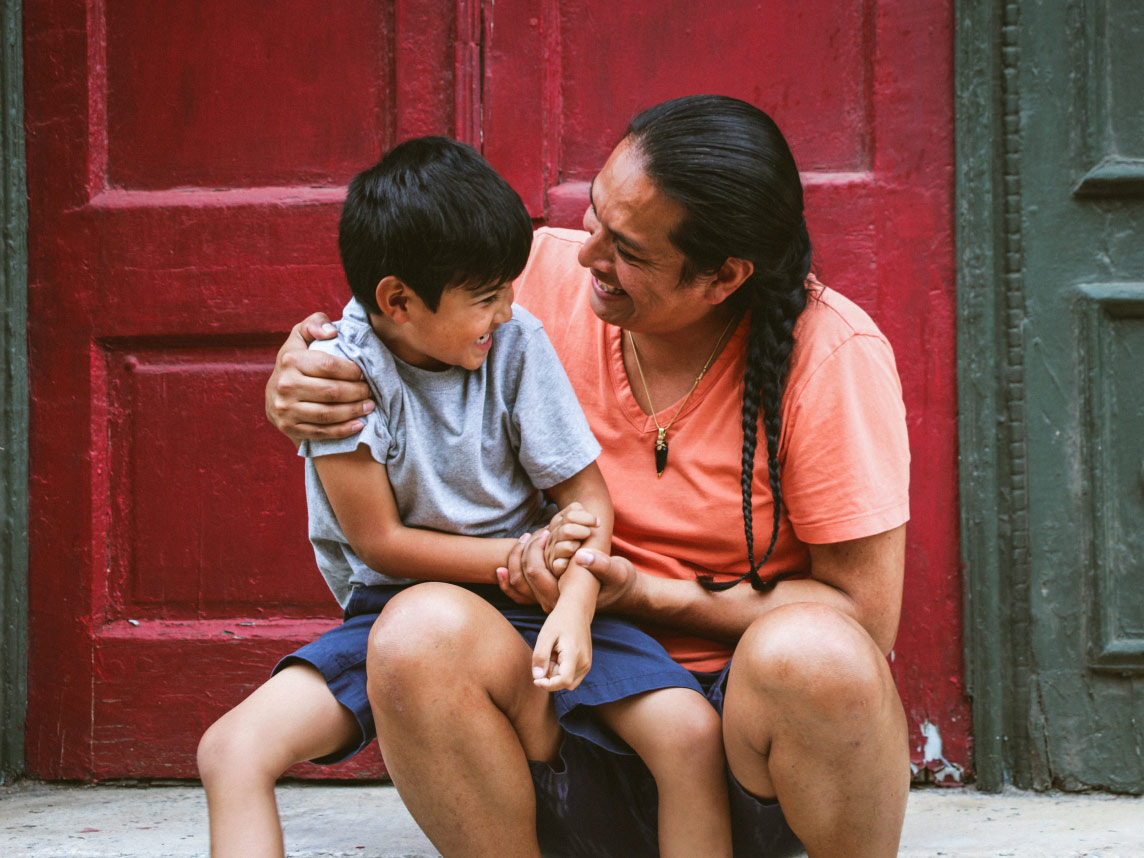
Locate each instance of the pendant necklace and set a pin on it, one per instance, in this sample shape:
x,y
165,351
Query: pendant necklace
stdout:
x,y
661,436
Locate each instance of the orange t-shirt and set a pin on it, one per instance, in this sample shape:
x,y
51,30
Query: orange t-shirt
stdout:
x,y
843,450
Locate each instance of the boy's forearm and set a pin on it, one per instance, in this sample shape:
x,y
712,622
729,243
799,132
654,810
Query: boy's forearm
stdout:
x,y
409,552
587,488
579,586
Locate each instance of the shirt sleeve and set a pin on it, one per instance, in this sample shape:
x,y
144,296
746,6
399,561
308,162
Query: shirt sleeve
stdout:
x,y
555,441
846,469
376,435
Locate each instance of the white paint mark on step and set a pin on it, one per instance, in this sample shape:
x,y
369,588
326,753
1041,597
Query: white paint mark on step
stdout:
x,y
932,753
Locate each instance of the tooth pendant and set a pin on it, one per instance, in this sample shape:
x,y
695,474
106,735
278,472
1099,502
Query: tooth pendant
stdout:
x,y
660,453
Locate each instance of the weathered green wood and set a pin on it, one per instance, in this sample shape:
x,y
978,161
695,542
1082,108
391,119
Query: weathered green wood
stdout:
x,y
981,398
13,400
1083,107
991,389
1051,341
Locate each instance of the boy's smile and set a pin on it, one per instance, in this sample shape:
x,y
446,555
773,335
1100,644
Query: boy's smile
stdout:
x,y
459,333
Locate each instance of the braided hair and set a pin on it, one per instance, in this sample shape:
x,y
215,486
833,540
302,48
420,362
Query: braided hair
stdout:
x,y
727,164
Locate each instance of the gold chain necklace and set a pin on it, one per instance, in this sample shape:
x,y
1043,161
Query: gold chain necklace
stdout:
x,y
661,437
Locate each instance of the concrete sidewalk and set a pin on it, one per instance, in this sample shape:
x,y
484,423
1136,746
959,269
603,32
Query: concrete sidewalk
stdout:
x,y
369,821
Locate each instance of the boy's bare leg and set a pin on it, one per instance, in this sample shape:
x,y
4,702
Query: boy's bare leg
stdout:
x,y
450,682
679,736
812,717
290,718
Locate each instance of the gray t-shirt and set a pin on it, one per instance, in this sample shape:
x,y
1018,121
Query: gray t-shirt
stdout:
x,y
466,451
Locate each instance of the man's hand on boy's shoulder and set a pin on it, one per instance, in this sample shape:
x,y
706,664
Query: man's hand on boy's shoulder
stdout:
x,y
311,394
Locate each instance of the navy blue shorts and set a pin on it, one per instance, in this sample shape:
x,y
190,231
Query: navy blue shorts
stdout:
x,y
600,804
602,800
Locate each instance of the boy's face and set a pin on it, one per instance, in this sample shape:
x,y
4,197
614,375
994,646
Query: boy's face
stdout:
x,y
460,332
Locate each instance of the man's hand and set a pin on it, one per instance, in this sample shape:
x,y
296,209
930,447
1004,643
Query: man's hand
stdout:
x,y
535,585
312,394
618,578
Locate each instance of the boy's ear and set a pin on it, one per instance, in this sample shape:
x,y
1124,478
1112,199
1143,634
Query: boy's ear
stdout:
x,y
393,298
730,276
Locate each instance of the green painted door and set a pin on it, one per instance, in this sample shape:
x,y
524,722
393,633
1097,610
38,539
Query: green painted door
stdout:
x,y
1060,681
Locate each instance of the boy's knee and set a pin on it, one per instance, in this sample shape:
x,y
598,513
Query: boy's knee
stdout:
x,y
217,751
688,737
230,749
698,733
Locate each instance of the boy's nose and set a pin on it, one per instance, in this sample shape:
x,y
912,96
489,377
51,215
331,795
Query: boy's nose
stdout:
x,y
504,312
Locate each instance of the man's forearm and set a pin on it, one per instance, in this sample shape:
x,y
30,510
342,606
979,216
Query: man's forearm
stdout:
x,y
688,607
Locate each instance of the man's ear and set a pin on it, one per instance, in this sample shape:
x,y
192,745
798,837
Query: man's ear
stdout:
x,y
393,298
730,276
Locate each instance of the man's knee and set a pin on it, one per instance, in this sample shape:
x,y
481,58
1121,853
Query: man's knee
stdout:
x,y
424,634
814,656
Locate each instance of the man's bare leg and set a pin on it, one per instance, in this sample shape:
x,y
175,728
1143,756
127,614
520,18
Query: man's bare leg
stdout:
x,y
812,717
458,718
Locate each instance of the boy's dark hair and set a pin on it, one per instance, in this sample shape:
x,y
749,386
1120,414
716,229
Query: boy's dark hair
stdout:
x,y
433,213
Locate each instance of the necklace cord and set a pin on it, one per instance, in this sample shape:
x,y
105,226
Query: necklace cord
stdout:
x,y
661,433
694,384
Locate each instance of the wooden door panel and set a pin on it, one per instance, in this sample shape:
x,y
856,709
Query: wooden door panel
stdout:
x,y
805,61
1083,339
221,94
194,535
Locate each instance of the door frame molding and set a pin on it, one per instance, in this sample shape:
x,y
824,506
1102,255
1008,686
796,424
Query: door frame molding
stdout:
x,y
991,389
13,400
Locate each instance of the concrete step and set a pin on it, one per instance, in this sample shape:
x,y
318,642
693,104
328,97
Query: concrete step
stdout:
x,y
369,821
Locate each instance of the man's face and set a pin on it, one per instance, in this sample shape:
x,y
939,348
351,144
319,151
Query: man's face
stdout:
x,y
636,269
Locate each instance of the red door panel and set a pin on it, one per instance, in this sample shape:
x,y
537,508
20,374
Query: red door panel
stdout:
x,y
185,167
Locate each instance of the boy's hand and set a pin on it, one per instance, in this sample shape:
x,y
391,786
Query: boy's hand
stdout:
x,y
312,394
563,652
567,531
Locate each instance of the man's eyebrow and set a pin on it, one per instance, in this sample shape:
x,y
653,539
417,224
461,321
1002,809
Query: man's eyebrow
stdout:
x,y
620,238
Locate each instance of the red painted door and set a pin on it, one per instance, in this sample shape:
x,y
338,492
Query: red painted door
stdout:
x,y
185,165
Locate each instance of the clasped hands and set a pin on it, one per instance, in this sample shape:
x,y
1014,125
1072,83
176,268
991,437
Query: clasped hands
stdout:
x,y
562,655
536,563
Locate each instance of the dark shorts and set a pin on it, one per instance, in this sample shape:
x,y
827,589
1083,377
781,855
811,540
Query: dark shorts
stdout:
x,y
599,804
601,801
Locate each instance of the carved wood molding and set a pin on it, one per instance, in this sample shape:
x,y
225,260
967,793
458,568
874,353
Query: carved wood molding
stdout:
x,y
13,400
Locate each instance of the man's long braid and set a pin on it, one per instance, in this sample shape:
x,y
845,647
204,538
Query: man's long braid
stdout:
x,y
775,307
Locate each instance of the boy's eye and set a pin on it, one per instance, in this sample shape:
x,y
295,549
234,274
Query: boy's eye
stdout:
x,y
626,256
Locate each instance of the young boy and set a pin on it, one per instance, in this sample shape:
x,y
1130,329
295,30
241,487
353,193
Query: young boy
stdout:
x,y
474,418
